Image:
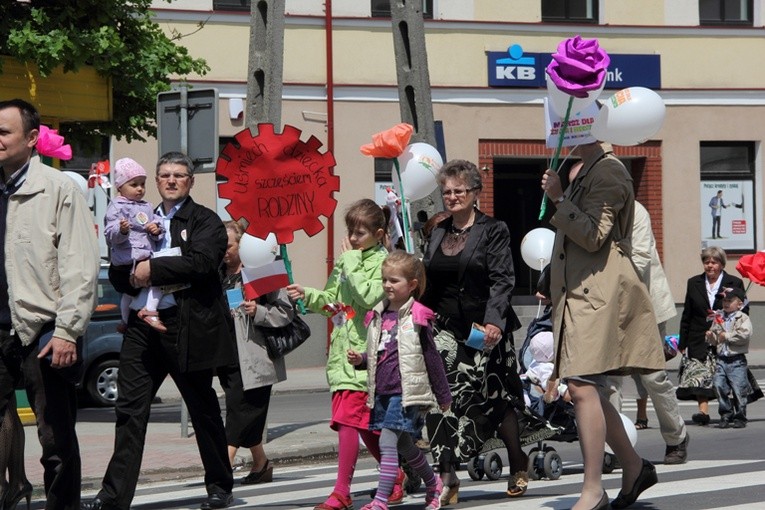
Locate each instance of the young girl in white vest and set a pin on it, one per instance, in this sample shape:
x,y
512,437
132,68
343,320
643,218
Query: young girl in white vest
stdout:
x,y
405,375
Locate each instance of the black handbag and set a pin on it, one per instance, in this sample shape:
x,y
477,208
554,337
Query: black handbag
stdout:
x,y
756,393
283,340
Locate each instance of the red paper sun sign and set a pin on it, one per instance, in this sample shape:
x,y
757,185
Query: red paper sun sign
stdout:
x,y
277,182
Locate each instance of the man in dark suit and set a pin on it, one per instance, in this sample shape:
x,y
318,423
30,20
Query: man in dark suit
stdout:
x,y
197,341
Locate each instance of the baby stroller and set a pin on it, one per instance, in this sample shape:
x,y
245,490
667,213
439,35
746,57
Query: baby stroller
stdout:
x,y
538,423
544,460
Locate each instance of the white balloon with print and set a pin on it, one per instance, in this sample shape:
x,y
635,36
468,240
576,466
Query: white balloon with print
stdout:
x,y
629,428
629,117
419,164
537,247
559,99
256,252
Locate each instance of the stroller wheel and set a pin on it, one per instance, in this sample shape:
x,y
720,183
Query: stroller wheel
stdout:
x,y
492,466
533,468
609,463
553,465
475,467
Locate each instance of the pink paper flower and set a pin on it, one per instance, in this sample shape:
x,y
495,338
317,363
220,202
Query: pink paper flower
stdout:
x,y
51,144
578,66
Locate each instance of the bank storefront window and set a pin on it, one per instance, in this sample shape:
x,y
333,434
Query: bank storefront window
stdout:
x,y
727,195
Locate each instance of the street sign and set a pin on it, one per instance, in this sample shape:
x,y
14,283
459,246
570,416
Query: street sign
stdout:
x,y
187,121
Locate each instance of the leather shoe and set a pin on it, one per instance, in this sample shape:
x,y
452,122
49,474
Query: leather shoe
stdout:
x,y
94,504
700,418
677,454
603,503
217,500
645,479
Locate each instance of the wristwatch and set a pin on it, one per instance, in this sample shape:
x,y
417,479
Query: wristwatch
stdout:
x,y
559,200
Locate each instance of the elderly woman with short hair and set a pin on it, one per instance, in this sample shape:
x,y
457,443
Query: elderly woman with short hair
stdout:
x,y
701,296
470,279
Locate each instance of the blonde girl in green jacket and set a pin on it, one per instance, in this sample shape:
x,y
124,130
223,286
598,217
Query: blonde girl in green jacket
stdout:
x,y
353,288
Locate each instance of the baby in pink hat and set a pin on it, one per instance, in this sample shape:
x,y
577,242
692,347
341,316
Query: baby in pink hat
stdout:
x,y
132,232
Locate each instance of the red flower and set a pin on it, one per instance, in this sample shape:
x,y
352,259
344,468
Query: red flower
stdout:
x,y
753,267
389,143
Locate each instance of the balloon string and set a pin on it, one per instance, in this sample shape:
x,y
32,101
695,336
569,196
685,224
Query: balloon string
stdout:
x,y
554,164
541,268
288,267
405,209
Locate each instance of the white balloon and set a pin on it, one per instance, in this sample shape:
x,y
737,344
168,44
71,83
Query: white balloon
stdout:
x,y
629,428
256,252
82,183
419,165
629,117
559,99
536,248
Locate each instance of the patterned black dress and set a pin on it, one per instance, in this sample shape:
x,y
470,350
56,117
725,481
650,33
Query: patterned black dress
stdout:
x,y
483,384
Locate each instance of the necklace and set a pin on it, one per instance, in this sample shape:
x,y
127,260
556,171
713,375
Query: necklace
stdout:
x,y
457,232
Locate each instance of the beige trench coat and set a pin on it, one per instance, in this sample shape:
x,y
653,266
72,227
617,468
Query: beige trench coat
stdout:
x,y
602,315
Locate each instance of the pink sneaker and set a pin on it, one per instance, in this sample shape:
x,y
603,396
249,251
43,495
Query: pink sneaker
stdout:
x,y
397,496
375,505
433,496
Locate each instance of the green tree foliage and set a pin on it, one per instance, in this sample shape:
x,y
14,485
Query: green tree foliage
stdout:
x,y
117,37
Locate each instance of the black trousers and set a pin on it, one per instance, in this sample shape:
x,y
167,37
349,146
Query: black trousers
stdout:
x,y
147,357
54,402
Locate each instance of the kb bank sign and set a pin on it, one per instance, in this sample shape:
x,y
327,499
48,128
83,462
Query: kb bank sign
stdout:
x,y
514,68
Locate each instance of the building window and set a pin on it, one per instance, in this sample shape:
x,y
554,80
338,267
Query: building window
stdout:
x,y
727,195
231,5
381,9
725,12
727,160
570,11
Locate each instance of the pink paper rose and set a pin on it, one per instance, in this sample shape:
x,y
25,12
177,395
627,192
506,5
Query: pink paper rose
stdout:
x,y
51,144
578,66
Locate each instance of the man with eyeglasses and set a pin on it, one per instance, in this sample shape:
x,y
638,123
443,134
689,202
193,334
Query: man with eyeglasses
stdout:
x,y
197,341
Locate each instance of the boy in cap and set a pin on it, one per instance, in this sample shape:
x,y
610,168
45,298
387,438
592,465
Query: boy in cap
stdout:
x,y
730,333
132,233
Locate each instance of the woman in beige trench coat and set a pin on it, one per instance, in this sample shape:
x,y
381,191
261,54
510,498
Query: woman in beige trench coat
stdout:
x,y
602,315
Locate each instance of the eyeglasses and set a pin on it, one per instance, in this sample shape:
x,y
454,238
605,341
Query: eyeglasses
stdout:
x,y
177,177
457,193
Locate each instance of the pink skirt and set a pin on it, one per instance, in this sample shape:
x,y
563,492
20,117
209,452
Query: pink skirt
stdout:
x,y
349,407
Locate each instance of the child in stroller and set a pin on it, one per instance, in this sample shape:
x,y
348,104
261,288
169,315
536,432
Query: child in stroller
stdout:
x,y
544,398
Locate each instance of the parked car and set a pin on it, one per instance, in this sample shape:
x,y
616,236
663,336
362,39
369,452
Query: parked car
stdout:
x,y
101,347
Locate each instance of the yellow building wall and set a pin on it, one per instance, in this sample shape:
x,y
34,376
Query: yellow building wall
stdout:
x,y
521,11
644,12
83,96
456,59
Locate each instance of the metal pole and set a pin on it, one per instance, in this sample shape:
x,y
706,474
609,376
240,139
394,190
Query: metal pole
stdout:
x,y
184,149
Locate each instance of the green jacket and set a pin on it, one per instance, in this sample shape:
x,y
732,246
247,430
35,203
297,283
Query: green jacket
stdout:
x,y
356,280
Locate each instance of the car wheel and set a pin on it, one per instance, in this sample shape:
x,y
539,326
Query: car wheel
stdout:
x,y
102,382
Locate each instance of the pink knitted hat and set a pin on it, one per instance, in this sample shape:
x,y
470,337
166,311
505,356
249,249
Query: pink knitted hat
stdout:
x,y
126,169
